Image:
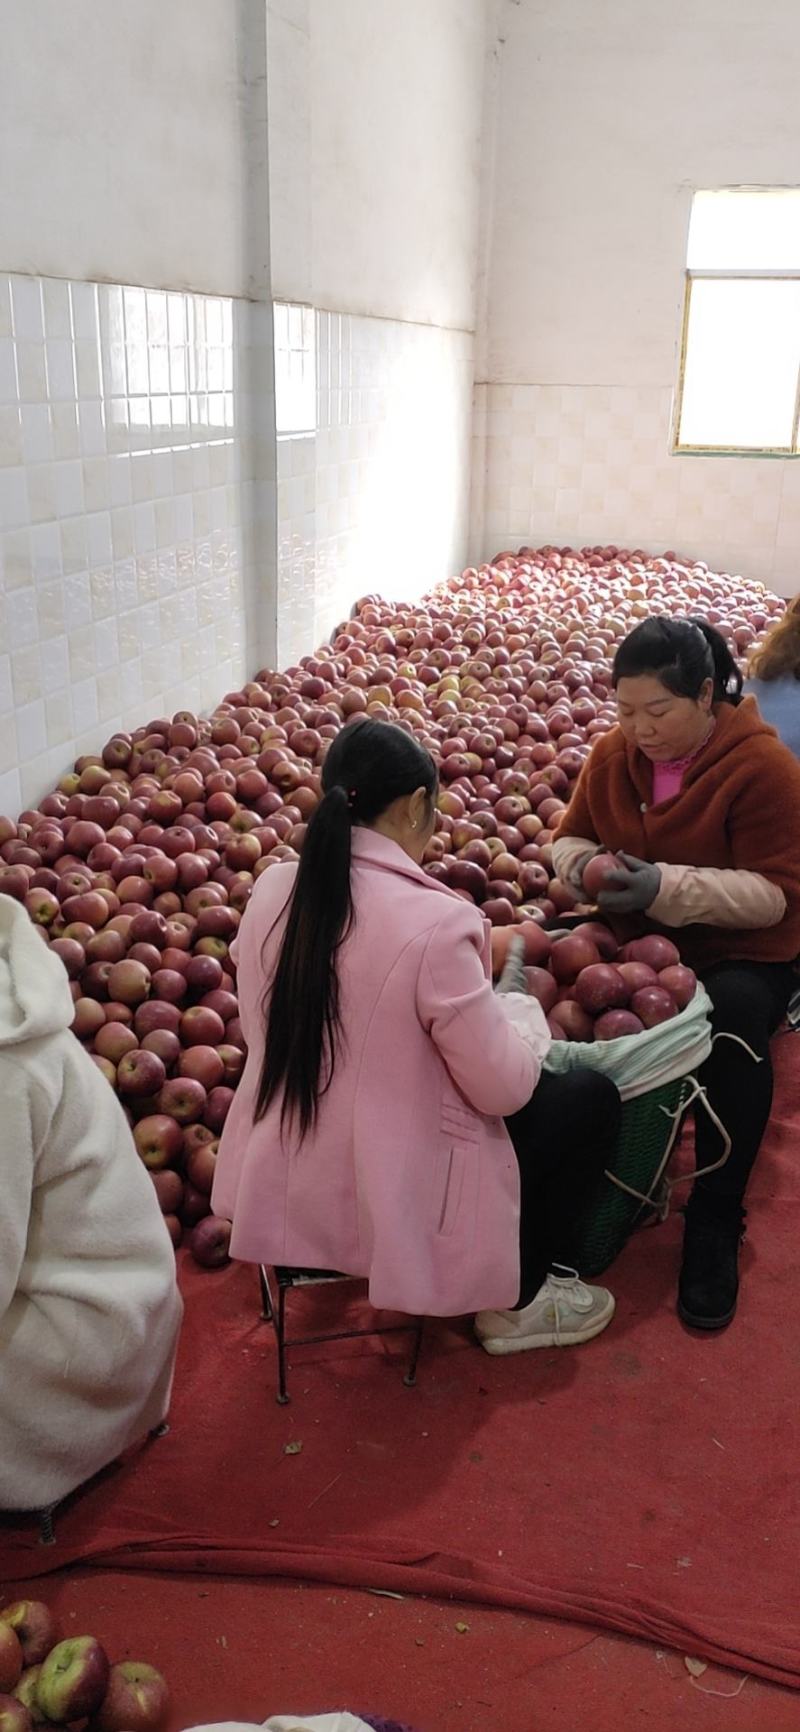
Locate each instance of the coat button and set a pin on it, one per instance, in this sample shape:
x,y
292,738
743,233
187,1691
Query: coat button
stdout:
x,y
643,807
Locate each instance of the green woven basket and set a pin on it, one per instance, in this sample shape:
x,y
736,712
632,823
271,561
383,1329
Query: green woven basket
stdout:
x,y
649,1129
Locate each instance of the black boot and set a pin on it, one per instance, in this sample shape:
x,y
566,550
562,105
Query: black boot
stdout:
x,y
709,1278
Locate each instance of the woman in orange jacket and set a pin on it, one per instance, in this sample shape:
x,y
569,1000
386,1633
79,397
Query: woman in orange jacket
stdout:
x,y
702,803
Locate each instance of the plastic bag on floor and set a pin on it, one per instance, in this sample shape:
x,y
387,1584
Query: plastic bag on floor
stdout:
x,y
292,1723
638,1063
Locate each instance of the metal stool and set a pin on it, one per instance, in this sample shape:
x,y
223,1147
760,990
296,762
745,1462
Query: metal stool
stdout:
x,y
274,1312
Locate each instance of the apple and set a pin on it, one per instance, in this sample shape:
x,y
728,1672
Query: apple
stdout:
x,y
168,1186
210,1242
200,1166
204,973
42,906
148,927
11,1658
71,954
88,1018
140,1073
201,1027
73,1679
233,1064
170,985
156,1013
182,1098
159,1141
129,982
204,1063
35,1628
194,1206
113,1040
25,1693
14,1716
166,1045
217,1107
106,1068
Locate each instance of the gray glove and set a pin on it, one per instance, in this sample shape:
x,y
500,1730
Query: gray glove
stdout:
x,y
512,978
632,889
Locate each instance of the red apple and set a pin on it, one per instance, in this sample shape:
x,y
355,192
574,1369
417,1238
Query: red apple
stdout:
x,y
182,1098
201,1027
113,1040
204,1063
156,1014
159,1141
14,1716
166,1045
148,927
204,973
140,1073
210,1242
129,982
88,1017
194,1206
35,1628
11,1659
200,1166
233,1064
168,1186
217,1107
168,984
71,954
74,1678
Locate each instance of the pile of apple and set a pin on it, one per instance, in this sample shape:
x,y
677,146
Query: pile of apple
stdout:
x,y
45,1682
138,866
590,988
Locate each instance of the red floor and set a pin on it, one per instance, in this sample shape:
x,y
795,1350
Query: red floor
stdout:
x,y
242,1649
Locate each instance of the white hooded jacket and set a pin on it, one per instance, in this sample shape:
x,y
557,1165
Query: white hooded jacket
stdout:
x,y
89,1308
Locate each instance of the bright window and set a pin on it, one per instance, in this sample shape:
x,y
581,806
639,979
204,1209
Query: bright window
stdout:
x,y
295,369
739,385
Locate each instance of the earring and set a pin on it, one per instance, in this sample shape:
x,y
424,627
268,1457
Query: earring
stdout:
x,y
413,823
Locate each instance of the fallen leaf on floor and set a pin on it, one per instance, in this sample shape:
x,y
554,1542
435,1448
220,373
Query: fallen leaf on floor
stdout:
x,y
274,1523
696,1667
292,1448
462,1629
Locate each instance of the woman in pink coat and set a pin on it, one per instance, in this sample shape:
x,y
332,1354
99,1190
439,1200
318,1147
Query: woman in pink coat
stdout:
x,y
387,1087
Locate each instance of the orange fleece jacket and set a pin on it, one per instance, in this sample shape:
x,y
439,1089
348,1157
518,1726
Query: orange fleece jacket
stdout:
x,y
739,807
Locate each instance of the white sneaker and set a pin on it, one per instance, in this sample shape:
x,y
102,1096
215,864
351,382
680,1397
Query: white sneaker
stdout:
x,y
564,1312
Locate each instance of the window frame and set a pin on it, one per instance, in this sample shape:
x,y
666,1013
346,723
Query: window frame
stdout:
x,y
678,449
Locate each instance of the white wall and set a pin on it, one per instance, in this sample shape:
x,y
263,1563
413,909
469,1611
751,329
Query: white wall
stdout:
x,y
609,113
137,439
375,140
129,137
375,155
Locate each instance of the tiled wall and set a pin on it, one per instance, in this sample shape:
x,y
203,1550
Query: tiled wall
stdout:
x,y
135,512
374,494
587,464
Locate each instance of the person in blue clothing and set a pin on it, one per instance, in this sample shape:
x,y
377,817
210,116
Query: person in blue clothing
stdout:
x,y
774,677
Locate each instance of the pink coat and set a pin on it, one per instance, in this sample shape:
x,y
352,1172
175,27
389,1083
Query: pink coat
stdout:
x,y
409,1177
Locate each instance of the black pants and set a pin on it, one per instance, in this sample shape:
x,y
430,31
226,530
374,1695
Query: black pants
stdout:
x,y
564,1139
750,1000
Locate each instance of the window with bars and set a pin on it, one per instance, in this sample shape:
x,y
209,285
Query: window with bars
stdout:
x,y
739,381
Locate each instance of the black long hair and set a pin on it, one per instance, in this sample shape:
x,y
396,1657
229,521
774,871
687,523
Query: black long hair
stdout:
x,y
369,765
683,654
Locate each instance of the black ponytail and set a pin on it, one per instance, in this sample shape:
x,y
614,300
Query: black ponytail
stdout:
x,y
683,654
369,765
